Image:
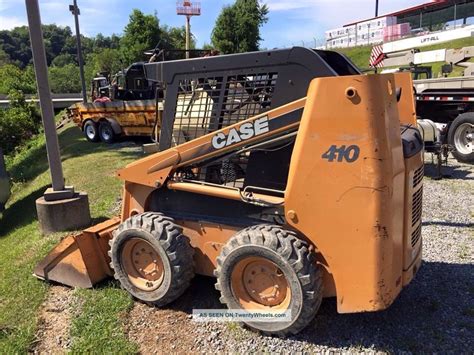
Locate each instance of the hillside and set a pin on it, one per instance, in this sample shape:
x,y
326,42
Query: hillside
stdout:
x,y
360,55
97,327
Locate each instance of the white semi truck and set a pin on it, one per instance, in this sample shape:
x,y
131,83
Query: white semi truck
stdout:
x,y
444,105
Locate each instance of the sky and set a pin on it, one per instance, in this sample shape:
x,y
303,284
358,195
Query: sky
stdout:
x,y
291,22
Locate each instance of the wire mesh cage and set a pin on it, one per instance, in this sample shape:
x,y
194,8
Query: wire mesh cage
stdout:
x,y
207,104
188,8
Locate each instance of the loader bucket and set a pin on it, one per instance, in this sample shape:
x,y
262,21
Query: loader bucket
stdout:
x,y
80,260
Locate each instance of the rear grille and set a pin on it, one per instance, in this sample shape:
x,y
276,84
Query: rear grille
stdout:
x,y
417,206
415,236
418,176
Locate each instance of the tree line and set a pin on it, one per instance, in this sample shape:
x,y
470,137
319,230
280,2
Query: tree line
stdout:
x,y
237,29
101,53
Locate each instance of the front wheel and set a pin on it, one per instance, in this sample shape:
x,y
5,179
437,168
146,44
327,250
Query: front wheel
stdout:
x,y
461,137
268,268
90,131
151,258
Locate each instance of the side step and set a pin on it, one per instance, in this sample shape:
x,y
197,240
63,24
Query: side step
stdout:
x,y
80,260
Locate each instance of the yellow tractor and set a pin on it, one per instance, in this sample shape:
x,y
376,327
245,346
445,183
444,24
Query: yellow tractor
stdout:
x,y
285,174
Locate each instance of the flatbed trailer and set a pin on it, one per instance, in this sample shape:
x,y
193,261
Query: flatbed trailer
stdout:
x,y
105,121
445,107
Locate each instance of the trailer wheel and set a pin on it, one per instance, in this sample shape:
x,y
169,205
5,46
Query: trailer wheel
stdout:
x,y
106,132
268,268
151,258
461,137
91,131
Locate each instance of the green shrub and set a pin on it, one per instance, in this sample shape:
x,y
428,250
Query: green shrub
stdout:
x,y
18,123
65,79
14,78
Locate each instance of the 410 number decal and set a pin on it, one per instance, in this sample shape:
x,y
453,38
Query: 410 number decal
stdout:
x,y
340,154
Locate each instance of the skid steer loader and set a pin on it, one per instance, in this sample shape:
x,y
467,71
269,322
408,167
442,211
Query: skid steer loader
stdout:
x,y
285,174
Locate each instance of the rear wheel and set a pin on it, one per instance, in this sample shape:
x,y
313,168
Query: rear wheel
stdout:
x,y
269,268
106,132
90,131
151,258
461,137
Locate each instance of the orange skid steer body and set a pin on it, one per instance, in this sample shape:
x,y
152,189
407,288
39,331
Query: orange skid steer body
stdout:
x,y
284,204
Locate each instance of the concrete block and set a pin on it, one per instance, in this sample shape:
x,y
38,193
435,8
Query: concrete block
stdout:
x,y
151,148
62,215
51,195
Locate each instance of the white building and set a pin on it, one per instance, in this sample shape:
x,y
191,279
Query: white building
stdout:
x,y
416,20
362,33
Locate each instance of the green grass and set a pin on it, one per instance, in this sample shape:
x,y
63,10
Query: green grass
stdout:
x,y
91,168
360,55
97,328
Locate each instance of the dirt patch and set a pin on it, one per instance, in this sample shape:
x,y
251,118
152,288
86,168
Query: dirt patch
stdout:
x,y
116,207
54,323
158,331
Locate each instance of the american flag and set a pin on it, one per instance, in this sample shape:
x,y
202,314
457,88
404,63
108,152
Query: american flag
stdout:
x,y
376,57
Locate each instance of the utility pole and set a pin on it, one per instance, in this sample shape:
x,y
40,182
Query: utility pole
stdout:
x,y
376,8
188,9
76,12
60,208
188,35
44,93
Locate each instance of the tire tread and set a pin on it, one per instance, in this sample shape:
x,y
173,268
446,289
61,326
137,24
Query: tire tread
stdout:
x,y
296,252
177,248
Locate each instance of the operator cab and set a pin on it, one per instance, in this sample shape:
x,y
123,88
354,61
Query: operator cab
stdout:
x,y
132,84
100,87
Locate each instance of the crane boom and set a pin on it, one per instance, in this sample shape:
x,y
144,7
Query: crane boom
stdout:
x,y
457,57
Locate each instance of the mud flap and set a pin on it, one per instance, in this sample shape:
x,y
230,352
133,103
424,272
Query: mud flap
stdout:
x,y
80,260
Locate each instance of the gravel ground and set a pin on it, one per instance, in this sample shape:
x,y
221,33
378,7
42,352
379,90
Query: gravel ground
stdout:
x,y
54,322
435,313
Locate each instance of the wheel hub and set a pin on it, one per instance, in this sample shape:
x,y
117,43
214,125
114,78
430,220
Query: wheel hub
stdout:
x,y
258,283
463,138
142,264
106,134
90,132
265,283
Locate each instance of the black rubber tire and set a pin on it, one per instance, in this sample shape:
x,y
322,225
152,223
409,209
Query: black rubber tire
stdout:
x,y
106,132
167,239
92,127
292,255
467,117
